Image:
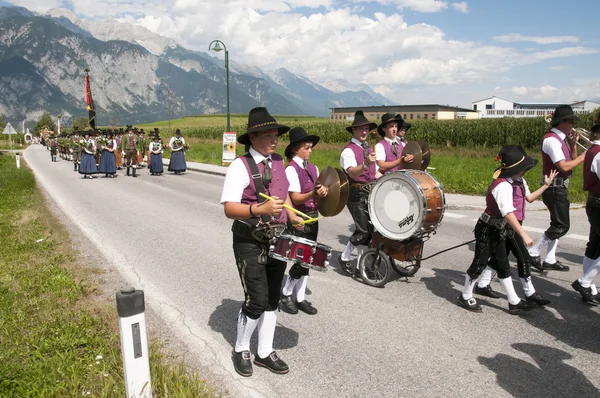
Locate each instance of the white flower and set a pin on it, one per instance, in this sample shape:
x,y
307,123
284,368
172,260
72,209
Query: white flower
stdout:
x,y
98,357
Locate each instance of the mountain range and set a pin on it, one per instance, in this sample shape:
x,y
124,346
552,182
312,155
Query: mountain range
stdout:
x,y
138,76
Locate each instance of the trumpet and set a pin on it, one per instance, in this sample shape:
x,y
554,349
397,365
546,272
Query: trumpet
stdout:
x,y
576,134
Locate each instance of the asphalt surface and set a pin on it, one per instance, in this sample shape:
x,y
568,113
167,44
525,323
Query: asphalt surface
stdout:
x,y
168,235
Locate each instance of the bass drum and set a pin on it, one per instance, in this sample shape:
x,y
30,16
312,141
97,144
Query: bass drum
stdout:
x,y
406,203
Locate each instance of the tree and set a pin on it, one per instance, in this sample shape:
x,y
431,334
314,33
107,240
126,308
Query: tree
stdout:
x,y
45,120
3,122
82,123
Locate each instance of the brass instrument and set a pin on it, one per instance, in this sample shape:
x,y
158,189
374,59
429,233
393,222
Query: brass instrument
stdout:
x,y
576,134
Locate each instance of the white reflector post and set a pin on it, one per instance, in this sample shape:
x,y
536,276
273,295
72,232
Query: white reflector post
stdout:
x,y
18,161
134,343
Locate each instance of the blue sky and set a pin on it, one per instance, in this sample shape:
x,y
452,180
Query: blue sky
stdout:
x,y
412,51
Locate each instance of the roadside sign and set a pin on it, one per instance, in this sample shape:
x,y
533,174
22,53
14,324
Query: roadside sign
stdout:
x,y
9,129
229,147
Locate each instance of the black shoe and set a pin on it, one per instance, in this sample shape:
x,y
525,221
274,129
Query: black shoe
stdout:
x,y
345,265
288,305
470,304
536,263
273,363
557,266
586,293
242,363
307,307
536,298
486,291
522,306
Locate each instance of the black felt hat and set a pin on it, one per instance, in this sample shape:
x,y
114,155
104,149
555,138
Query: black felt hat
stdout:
x,y
563,112
259,119
514,160
361,120
129,127
385,119
596,126
298,135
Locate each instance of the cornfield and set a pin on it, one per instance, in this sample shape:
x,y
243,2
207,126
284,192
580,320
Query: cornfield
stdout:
x,y
452,133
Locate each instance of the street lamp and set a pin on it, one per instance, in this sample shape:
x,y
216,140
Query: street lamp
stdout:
x,y
217,48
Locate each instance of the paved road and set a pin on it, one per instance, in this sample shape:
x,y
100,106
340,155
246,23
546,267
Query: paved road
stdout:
x,y
408,339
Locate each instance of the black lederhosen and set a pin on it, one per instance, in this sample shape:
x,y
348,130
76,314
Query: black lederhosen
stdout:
x,y
358,206
490,249
592,209
310,232
261,275
516,245
556,200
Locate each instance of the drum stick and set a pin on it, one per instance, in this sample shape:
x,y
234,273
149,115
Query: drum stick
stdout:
x,y
309,221
287,207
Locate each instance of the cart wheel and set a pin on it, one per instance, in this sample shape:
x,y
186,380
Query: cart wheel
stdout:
x,y
375,268
406,268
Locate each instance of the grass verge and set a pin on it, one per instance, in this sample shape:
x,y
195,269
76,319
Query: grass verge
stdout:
x,y
460,170
57,339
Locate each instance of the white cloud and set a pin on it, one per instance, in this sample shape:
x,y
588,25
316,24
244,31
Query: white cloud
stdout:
x,y
516,37
462,6
557,67
415,5
582,90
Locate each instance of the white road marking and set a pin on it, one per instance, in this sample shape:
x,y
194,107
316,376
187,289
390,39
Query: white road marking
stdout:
x,y
213,203
533,229
454,215
579,237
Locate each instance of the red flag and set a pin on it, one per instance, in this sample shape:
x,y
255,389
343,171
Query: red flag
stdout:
x,y
89,101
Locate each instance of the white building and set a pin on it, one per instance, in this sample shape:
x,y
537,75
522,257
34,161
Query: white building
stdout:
x,y
498,107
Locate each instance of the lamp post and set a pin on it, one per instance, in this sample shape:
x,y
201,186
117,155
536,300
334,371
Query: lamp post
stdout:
x,y
217,48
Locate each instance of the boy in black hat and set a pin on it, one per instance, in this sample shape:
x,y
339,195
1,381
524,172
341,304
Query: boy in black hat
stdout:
x,y
260,170
130,146
304,191
591,259
514,242
75,148
389,149
358,161
562,157
491,230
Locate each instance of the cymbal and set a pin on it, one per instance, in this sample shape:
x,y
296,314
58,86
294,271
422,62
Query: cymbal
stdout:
x,y
329,205
413,148
344,191
426,154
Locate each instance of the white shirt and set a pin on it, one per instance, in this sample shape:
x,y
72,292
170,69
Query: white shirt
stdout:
x,y
237,178
292,175
172,140
347,158
595,167
553,147
152,144
380,150
503,194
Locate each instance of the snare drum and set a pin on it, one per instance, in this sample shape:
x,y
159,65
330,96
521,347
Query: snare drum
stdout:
x,y
307,253
406,203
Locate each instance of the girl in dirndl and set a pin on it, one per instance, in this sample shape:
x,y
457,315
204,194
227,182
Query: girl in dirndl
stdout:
x,y
87,166
156,159
177,162
108,161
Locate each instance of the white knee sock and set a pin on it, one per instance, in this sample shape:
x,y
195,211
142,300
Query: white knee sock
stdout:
x,y
360,250
347,251
486,277
300,288
266,332
511,295
527,286
467,292
288,288
534,250
551,254
587,264
245,328
588,278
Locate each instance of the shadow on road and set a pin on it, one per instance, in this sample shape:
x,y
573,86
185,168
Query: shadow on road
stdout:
x,y
550,377
223,320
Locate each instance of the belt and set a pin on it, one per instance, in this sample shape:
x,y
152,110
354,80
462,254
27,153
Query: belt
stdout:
x,y
359,187
260,233
559,182
495,222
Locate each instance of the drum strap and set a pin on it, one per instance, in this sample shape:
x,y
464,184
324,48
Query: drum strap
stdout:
x,y
258,183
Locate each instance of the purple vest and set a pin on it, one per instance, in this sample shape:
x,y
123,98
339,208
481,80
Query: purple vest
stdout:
x,y
278,187
518,200
491,207
590,179
548,166
389,155
367,175
307,179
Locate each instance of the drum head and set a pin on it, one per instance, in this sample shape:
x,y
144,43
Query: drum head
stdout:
x,y
396,205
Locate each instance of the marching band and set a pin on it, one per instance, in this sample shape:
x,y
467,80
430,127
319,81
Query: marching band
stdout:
x,y
270,199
